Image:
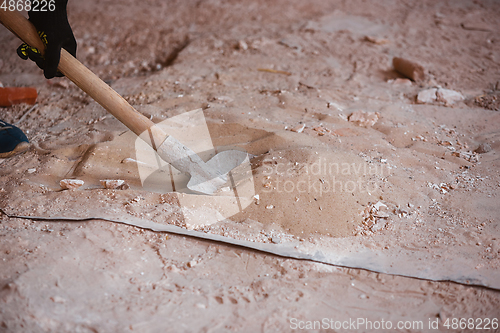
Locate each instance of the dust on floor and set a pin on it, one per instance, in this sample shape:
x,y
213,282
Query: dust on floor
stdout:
x,y
280,78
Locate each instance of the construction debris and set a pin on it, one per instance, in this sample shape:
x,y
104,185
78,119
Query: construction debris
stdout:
x,y
298,128
449,97
113,183
483,148
364,119
374,219
17,95
71,184
409,69
446,96
427,96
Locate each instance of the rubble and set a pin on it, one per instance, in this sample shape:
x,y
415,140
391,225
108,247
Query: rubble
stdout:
x,y
409,69
321,130
376,40
445,96
242,45
443,188
113,183
449,97
374,219
71,184
17,95
364,119
427,96
401,82
298,128
466,155
483,148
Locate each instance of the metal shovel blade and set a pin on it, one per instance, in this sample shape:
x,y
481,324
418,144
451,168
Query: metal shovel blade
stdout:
x,y
223,162
206,177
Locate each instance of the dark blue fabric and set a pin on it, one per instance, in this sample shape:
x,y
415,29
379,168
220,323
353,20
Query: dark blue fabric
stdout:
x,y
10,137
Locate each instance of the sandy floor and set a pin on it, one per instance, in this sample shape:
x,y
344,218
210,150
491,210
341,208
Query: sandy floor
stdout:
x,y
281,81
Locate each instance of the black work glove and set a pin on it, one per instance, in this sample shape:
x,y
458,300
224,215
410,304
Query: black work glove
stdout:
x,y
55,32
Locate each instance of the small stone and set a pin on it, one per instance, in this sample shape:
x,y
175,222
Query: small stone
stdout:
x,y
320,129
173,269
242,45
427,96
112,183
269,207
364,119
71,184
449,97
343,116
410,69
192,263
483,148
276,240
58,299
224,99
402,82
299,128
376,40
33,170
129,160
257,199
379,205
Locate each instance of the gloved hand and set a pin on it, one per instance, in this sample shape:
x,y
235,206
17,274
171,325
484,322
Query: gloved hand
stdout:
x,y
55,32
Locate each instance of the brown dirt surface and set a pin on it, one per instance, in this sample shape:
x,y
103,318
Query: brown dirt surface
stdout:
x,y
281,80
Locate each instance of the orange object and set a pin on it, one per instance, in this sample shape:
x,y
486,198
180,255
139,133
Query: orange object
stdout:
x,y
17,95
409,69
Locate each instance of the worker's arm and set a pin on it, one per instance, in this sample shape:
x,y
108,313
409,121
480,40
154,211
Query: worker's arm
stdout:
x,y
51,20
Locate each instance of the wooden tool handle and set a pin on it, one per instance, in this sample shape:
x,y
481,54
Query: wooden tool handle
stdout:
x,y
86,80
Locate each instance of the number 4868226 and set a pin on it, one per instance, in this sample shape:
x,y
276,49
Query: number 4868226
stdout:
x,y
471,323
28,5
